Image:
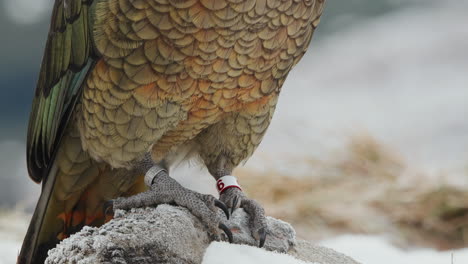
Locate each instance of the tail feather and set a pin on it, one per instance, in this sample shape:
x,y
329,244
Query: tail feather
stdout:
x,y
73,195
55,220
31,251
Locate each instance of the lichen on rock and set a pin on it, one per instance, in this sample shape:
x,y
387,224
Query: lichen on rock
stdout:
x,y
168,234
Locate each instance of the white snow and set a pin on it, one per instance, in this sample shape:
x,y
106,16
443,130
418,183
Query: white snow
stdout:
x,y
364,249
9,250
376,250
13,226
225,253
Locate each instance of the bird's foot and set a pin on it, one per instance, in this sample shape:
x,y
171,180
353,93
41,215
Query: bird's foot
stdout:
x,y
235,198
166,190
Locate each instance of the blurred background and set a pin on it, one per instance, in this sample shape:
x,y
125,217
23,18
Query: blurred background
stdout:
x,y
368,149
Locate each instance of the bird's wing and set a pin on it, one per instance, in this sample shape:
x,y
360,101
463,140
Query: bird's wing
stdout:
x,y
66,62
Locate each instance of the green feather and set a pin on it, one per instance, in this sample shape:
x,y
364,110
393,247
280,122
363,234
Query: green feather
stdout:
x,y
67,47
79,53
64,68
52,111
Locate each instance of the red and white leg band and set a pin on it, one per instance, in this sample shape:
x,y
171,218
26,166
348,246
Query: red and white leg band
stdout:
x,y
227,182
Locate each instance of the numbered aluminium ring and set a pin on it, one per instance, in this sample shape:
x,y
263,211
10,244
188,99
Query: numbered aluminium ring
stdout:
x,y
226,182
152,173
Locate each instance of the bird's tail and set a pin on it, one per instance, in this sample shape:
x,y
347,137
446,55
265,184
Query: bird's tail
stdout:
x,y
73,195
44,228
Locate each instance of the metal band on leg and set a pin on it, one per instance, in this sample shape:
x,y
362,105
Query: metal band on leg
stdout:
x,y
152,173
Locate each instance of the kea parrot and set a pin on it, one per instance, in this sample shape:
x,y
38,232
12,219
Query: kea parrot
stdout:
x,y
129,88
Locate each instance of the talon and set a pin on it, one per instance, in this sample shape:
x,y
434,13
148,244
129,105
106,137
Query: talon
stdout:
x,y
262,234
109,208
227,231
223,207
234,204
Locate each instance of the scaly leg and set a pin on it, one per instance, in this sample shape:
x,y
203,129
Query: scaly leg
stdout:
x,y
232,195
224,146
166,190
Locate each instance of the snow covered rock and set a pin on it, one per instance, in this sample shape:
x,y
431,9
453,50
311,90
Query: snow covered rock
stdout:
x,y
169,234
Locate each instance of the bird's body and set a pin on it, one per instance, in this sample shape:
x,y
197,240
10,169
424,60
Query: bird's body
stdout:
x,y
172,69
166,77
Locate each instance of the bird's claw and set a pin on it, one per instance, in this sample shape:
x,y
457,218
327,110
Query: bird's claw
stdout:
x,y
108,208
227,231
223,207
234,198
262,236
168,191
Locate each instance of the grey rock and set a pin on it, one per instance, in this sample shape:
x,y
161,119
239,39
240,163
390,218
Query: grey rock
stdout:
x,y
309,252
169,234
